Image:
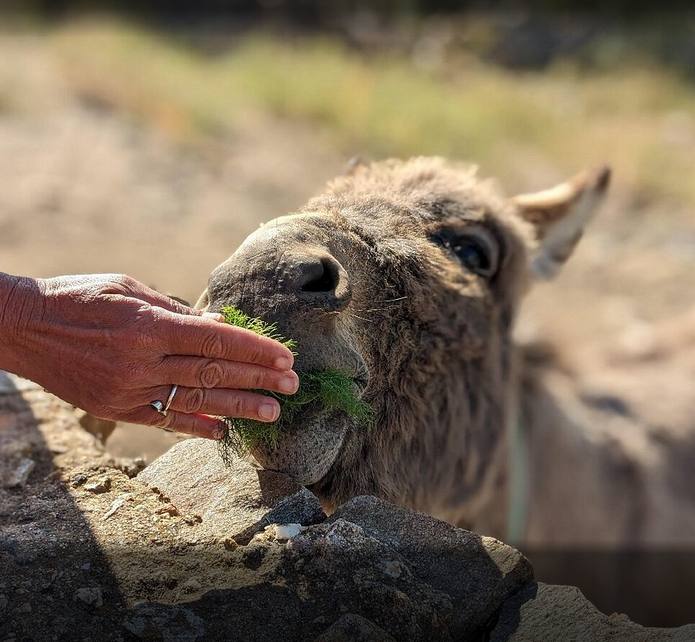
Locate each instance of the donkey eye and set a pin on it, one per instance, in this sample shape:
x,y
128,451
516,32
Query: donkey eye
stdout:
x,y
473,255
473,250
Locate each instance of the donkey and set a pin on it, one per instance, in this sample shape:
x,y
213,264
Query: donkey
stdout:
x,y
407,275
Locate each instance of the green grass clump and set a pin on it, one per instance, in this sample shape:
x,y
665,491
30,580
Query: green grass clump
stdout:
x,y
236,317
329,390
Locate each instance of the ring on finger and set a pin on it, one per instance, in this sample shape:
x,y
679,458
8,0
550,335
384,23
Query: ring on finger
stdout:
x,y
158,406
163,407
170,398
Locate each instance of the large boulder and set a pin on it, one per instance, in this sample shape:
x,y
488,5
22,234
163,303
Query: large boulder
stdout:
x,y
235,501
476,573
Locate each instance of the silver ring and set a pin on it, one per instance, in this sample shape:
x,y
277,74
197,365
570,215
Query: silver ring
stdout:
x,y
158,406
170,398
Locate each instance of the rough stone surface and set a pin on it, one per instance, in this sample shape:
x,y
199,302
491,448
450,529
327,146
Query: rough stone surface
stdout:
x,y
156,622
234,502
441,555
90,595
354,628
135,562
548,612
20,475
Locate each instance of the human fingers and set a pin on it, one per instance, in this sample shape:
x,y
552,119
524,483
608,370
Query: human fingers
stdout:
x,y
129,287
203,337
169,303
220,402
197,425
195,372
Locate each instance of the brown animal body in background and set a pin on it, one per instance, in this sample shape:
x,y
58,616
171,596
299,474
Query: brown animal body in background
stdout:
x,y
408,276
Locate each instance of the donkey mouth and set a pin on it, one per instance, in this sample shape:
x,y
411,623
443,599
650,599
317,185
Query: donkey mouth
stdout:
x,y
307,452
310,443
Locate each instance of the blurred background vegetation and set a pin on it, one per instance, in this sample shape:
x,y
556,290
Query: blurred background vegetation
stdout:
x,y
151,138
132,130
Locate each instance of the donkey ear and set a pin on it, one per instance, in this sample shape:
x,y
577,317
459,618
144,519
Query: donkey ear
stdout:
x,y
559,216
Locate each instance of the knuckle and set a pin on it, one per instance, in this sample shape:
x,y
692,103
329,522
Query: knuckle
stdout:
x,y
194,401
116,284
254,353
237,406
259,379
210,375
213,345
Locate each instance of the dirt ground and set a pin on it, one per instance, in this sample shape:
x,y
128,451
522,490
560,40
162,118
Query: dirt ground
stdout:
x,y
89,189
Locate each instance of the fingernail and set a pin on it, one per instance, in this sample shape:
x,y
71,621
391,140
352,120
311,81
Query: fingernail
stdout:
x,y
215,316
289,384
268,411
283,363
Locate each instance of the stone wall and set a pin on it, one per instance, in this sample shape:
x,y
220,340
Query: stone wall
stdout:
x,y
189,550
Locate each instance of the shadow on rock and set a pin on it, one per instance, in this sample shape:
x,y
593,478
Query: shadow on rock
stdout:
x,y
55,581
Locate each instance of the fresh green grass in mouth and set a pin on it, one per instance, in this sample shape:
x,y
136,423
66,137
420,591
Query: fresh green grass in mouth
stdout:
x,y
328,390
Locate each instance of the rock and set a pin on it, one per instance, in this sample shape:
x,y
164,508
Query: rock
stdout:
x,y
164,622
276,568
79,479
115,506
20,475
342,566
546,612
90,595
11,384
284,532
191,585
131,466
478,573
99,486
235,502
354,628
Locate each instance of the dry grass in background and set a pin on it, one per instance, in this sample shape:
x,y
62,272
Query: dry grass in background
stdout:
x,y
127,150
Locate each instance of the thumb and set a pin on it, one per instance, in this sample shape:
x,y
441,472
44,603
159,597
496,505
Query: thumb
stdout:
x,y
168,302
183,307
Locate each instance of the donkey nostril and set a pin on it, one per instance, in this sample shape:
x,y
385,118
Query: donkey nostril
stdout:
x,y
320,276
320,280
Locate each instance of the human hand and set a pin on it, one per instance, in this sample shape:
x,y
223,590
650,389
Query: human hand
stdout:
x,y
110,345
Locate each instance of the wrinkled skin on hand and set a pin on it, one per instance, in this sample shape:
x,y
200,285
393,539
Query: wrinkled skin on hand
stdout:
x,y
110,345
